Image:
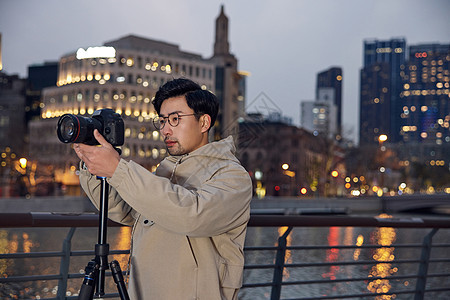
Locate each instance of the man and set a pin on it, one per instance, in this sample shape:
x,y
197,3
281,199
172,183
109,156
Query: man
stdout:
x,y
190,217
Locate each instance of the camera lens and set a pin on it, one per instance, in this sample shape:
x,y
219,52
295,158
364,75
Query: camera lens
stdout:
x,y
78,129
68,128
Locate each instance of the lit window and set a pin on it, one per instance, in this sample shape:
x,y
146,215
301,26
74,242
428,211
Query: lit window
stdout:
x,y
155,153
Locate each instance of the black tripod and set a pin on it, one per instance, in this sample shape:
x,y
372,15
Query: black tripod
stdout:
x,y
95,270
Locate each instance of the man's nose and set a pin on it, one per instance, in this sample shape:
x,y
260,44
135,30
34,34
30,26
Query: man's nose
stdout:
x,y
166,130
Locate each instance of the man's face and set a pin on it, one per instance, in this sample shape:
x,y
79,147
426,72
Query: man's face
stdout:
x,y
188,134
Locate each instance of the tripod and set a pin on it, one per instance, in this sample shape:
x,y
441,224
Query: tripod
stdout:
x,y
95,269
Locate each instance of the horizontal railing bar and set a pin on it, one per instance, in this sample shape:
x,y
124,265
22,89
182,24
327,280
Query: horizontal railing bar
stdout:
x,y
57,254
348,263
44,219
363,295
31,254
30,278
439,275
336,263
319,247
326,281
91,252
255,285
326,247
345,221
262,266
44,277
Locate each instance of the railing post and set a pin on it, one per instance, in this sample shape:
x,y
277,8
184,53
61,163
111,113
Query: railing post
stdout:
x,y
64,266
279,265
423,266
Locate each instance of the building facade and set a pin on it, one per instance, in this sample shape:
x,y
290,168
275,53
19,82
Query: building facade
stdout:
x,y
425,115
332,79
299,164
375,103
380,77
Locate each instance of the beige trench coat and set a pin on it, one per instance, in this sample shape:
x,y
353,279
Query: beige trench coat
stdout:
x,y
190,222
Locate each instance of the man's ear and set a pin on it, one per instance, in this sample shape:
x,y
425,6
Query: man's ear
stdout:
x,y
205,122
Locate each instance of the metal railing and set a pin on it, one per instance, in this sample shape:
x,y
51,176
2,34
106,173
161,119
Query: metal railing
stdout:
x,y
279,263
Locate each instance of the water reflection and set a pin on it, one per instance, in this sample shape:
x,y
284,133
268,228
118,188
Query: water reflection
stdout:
x,y
121,242
384,236
50,239
333,253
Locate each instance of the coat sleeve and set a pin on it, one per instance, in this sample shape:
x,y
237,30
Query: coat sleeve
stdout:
x,y
118,210
217,205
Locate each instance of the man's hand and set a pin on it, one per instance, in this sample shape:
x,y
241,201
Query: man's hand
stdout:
x,y
100,160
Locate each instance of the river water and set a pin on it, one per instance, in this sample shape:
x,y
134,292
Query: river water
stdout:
x,y
386,241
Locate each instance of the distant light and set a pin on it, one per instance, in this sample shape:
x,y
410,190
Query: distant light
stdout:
x,y
303,191
96,52
335,173
355,192
382,138
285,166
277,188
23,162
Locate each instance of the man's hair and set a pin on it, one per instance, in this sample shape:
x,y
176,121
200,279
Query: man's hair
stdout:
x,y
199,100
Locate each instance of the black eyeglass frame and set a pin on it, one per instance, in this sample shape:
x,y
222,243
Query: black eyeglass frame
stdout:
x,y
157,122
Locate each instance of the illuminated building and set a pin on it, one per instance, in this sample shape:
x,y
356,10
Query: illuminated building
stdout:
x,y
375,103
320,116
380,89
425,99
332,78
124,75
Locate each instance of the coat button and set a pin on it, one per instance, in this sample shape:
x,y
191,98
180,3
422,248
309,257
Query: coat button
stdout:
x,y
145,221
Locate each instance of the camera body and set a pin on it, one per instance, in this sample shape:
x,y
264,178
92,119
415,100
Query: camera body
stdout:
x,y
80,129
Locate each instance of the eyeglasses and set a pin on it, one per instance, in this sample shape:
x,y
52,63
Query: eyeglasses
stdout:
x,y
172,118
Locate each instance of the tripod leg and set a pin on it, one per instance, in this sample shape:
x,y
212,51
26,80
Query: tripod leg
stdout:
x,y
87,288
118,279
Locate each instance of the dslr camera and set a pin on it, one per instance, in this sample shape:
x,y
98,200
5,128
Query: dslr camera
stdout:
x,y
80,129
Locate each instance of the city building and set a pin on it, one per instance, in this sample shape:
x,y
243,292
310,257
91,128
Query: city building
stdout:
x,y
375,103
124,75
425,114
12,134
320,116
40,76
380,89
332,78
299,164
227,86
12,113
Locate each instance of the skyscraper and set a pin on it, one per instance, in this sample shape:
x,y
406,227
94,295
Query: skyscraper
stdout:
x,y
332,78
382,63
425,114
